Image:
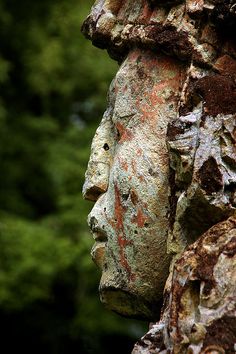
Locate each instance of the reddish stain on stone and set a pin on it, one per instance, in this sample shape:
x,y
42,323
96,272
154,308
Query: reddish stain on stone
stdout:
x,y
123,164
139,152
145,14
119,210
133,197
145,115
123,243
125,134
156,96
119,227
133,166
141,178
140,218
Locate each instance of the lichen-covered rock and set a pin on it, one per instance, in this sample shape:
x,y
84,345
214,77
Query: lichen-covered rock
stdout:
x,y
177,27
199,313
203,156
163,170
127,173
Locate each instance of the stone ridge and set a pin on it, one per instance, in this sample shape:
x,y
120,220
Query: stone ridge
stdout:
x,y
180,30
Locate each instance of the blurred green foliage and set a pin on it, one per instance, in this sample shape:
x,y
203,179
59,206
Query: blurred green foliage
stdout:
x,y
53,85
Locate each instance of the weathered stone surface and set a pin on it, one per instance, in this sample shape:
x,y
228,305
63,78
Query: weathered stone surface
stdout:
x,y
163,170
199,314
130,177
176,27
203,156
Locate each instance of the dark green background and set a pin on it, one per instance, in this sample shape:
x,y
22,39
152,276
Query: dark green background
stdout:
x,y
53,86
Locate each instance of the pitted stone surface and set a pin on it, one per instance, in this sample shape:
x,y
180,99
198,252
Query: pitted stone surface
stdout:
x,y
200,310
128,179
176,27
163,170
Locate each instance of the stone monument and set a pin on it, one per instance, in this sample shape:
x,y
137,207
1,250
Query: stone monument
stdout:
x,y
162,171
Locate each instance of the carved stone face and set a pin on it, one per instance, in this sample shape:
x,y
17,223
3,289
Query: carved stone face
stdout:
x,y
128,176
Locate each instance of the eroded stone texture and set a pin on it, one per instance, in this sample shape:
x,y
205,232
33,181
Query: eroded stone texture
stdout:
x,y
128,177
187,29
203,156
200,310
163,170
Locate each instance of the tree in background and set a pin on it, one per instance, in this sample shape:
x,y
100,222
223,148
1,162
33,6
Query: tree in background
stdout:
x,y
53,85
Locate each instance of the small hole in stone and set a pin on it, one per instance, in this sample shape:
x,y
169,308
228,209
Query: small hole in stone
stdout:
x,y
106,147
105,209
135,231
105,266
118,135
146,224
125,196
230,187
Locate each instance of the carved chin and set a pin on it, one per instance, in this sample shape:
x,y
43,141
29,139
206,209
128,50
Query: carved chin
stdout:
x,y
128,304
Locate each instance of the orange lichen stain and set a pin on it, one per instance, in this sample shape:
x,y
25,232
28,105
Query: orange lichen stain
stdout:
x,y
167,66
119,227
145,14
123,243
160,86
157,93
125,134
111,222
139,152
148,115
123,163
123,261
161,64
141,178
119,210
140,218
133,166
156,98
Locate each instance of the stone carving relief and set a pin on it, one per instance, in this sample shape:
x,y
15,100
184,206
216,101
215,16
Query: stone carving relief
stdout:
x,y
162,171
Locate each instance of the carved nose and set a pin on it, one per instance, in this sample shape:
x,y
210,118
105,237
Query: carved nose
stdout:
x,y
96,180
92,193
97,174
